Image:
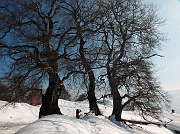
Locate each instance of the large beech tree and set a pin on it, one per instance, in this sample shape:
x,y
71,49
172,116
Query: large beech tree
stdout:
x,y
131,38
34,38
41,37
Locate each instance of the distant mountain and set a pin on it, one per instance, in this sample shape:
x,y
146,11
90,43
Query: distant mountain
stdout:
x,y
175,94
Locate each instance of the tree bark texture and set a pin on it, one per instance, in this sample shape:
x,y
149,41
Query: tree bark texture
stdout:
x,y
50,98
117,99
91,94
117,106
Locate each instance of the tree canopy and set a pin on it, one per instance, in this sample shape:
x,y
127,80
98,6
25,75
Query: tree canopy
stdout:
x,y
59,39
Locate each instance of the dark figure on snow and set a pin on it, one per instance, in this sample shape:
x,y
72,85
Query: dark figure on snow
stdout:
x,y
78,113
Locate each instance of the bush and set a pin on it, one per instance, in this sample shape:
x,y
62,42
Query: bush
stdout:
x,y
82,97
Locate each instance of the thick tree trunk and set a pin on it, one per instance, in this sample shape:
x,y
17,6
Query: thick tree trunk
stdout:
x,y
91,94
117,106
117,99
50,98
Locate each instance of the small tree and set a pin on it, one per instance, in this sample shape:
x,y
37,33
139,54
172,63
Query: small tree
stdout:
x,y
141,91
81,97
5,93
65,95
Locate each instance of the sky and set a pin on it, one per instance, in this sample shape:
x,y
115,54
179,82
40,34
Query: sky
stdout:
x,y
168,67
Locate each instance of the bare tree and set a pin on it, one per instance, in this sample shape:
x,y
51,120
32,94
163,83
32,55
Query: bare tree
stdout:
x,y
131,38
51,40
34,38
140,91
85,16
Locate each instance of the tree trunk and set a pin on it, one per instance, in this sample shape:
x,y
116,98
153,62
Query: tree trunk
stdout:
x,y
117,99
117,106
50,98
91,94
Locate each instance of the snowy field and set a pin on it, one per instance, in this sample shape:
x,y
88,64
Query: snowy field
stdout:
x,y
23,119
175,94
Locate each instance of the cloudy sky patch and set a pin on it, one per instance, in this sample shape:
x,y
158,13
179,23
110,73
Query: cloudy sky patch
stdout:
x,y
169,66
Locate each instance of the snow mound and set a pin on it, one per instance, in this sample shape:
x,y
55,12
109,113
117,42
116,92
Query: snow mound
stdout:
x,y
63,124
18,113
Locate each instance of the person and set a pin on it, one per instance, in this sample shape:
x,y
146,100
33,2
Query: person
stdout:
x,y
78,113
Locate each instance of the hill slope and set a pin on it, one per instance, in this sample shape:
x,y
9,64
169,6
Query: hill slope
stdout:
x,y
175,94
13,120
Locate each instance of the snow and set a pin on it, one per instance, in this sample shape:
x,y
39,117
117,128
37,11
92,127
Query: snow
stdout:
x,y
15,117
155,129
58,124
23,119
64,124
173,121
19,112
174,125
175,97
173,116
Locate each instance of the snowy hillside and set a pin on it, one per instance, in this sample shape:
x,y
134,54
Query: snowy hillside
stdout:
x,y
25,119
175,94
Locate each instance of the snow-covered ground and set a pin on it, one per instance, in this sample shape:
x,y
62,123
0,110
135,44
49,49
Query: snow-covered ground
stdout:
x,y
23,119
175,94
13,118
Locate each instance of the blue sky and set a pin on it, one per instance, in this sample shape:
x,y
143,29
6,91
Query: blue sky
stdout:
x,y
169,66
